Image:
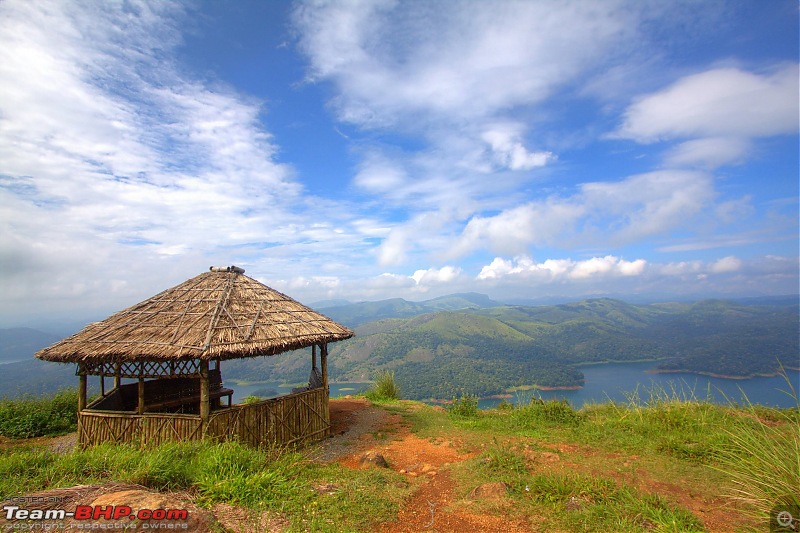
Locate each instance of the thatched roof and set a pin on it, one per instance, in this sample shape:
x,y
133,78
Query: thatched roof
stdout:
x,y
219,314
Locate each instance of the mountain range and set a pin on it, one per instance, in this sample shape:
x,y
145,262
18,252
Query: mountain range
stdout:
x,y
470,343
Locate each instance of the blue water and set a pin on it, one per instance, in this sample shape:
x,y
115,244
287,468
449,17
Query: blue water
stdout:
x,y
614,381
617,381
337,389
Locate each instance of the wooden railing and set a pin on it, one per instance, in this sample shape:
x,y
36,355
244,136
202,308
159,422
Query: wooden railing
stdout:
x,y
298,417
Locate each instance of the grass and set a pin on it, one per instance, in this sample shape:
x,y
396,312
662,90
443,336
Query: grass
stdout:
x,y
281,481
384,389
742,455
622,467
38,416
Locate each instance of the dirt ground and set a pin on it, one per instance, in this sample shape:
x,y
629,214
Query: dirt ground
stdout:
x,y
359,428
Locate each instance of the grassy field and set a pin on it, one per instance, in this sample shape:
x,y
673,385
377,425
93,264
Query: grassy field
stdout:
x,y
671,465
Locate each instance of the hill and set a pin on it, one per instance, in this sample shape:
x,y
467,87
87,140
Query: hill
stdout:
x,y
18,344
487,350
469,343
21,373
355,314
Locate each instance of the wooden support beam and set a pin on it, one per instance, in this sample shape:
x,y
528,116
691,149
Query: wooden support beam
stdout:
x,y
117,378
313,356
324,361
205,406
326,413
81,388
140,397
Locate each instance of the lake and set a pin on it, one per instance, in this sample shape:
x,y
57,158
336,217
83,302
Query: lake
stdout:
x,y
614,381
272,389
611,381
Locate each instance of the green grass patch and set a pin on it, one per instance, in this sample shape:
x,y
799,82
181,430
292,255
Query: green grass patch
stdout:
x,y
384,389
281,481
38,416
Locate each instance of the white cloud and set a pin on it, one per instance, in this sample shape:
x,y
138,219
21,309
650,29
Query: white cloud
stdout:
x,y
561,269
726,264
618,212
111,156
433,276
435,61
708,153
522,277
508,150
718,103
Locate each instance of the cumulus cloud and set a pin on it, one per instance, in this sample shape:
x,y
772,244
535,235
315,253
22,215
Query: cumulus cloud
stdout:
x,y
558,269
614,275
434,276
726,264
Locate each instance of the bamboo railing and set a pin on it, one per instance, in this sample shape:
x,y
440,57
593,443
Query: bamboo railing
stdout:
x,y
295,418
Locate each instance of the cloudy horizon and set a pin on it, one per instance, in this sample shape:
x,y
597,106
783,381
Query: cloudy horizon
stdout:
x,y
364,150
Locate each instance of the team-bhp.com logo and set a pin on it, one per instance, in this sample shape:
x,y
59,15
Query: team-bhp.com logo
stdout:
x,y
123,515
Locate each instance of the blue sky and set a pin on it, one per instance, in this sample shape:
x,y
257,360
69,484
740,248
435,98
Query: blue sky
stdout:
x,y
374,149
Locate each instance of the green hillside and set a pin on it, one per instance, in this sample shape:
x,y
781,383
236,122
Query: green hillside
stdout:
x,y
486,349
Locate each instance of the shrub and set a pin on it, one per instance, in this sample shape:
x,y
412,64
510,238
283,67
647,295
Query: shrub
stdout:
x,y
465,406
384,389
37,416
538,411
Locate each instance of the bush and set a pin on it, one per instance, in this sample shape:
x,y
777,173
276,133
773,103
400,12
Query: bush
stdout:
x,y
538,412
37,416
384,389
466,406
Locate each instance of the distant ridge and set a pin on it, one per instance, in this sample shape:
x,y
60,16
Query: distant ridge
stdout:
x,y
355,314
471,343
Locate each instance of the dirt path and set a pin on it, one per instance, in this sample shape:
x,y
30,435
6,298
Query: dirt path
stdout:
x,y
359,429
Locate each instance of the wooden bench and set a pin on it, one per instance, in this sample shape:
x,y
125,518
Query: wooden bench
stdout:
x,y
174,392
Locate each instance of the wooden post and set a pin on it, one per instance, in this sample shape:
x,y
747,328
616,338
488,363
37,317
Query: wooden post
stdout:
x,y
326,412
205,408
102,384
81,388
140,402
324,361
117,379
313,356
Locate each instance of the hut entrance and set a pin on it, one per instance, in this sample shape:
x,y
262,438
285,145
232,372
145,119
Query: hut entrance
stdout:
x,y
171,346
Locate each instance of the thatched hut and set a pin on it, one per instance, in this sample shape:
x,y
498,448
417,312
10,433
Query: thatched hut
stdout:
x,y
170,348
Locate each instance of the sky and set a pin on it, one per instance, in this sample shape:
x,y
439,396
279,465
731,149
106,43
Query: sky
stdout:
x,y
374,149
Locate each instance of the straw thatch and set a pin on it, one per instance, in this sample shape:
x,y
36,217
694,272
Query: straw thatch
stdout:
x,y
221,314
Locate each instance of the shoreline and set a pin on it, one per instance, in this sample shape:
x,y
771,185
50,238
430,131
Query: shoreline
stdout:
x,y
720,376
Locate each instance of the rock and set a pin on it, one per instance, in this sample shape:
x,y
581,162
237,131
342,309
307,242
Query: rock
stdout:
x,y
489,491
372,458
196,519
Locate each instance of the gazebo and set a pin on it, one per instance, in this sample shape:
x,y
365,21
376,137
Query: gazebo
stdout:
x,y
173,344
